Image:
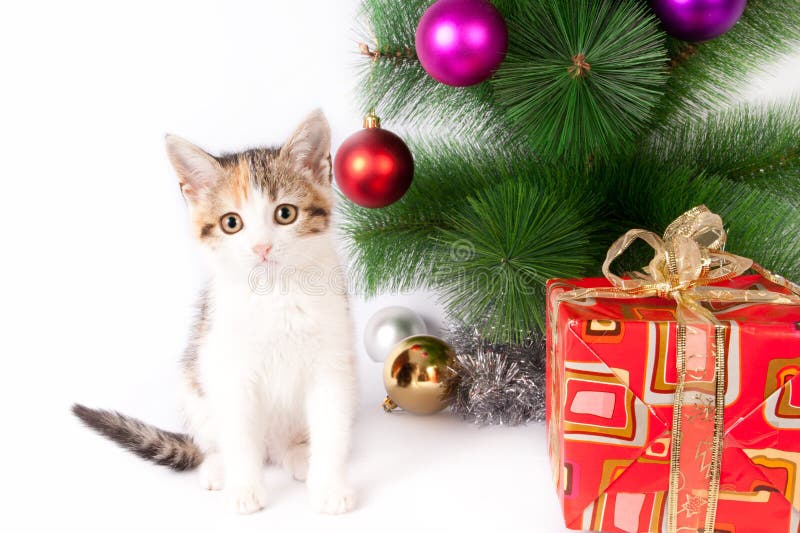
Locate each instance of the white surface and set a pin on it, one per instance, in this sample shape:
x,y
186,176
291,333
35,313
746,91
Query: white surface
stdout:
x,y
98,276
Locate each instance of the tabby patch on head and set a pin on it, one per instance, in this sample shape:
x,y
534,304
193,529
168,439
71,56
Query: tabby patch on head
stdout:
x,y
260,205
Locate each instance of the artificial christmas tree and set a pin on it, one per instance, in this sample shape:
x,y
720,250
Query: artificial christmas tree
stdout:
x,y
597,121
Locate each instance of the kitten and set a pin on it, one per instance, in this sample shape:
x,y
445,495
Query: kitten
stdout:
x,y
268,374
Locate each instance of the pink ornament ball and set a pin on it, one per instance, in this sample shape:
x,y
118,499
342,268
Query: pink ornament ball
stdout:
x,y
698,20
461,42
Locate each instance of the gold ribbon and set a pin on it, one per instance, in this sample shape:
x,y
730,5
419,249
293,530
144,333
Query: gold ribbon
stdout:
x,y
689,259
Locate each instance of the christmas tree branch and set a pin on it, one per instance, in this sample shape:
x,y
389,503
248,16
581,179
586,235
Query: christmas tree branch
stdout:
x,y
486,221
757,144
486,229
713,71
647,193
393,248
387,54
393,81
581,78
681,52
507,243
460,230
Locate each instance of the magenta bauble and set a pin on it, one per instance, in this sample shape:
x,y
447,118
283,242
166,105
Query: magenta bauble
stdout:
x,y
698,20
373,167
461,42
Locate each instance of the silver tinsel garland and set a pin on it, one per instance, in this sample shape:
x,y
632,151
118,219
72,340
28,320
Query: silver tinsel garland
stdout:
x,y
494,384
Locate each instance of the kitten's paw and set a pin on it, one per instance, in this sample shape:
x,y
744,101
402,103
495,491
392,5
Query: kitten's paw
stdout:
x,y
335,499
247,499
211,473
296,461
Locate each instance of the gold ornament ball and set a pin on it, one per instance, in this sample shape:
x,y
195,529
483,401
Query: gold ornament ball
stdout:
x,y
414,374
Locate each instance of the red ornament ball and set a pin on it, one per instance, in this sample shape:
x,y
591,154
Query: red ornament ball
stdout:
x,y
374,167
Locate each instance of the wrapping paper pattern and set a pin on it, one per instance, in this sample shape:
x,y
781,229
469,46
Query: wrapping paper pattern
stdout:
x,y
611,381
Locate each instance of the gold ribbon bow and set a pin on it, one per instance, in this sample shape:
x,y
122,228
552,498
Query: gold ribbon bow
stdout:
x,y
689,260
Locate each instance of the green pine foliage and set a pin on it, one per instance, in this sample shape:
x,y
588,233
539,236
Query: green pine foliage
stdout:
x,y
394,248
504,247
760,224
402,92
755,144
705,75
581,78
535,173
477,248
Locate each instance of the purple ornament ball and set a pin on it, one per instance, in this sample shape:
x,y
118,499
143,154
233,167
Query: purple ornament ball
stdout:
x,y
461,42
698,20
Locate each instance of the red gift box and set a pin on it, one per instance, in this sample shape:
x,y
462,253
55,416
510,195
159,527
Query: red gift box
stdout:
x,y
612,376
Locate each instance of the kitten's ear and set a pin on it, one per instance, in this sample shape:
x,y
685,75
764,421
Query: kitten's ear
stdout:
x,y
309,148
198,171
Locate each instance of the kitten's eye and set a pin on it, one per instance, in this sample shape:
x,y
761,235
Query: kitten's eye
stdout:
x,y
231,223
285,214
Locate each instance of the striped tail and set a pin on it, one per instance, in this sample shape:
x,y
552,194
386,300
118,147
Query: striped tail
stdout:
x,y
174,450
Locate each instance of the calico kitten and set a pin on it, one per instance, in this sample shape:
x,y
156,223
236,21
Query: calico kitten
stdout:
x,y
269,371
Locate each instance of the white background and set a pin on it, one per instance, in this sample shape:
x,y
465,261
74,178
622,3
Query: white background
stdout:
x,y
98,271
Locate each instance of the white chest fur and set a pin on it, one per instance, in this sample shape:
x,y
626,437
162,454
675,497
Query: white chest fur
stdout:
x,y
282,338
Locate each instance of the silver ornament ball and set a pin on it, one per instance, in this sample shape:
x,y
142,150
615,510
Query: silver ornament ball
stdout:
x,y
388,327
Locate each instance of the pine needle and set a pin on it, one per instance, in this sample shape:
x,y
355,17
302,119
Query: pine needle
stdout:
x,y
715,70
582,77
561,154
648,194
396,84
506,245
756,144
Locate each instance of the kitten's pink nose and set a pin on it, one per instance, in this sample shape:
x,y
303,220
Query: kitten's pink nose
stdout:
x,y
262,250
